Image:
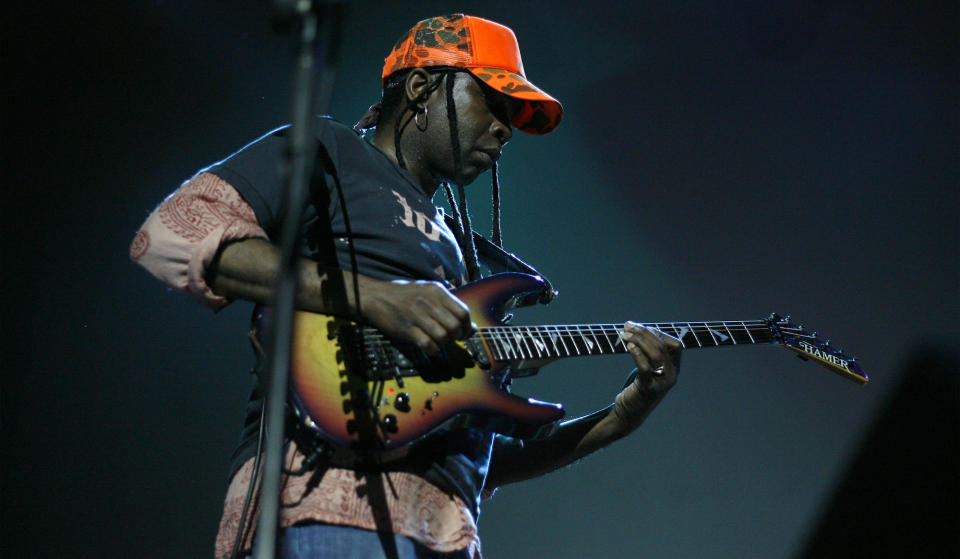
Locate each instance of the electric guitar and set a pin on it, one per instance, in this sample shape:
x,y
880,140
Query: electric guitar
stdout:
x,y
354,387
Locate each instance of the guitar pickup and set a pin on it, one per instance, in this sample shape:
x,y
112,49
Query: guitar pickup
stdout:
x,y
477,352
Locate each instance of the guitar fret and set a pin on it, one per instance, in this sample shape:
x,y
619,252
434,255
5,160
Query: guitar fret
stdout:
x,y
522,339
681,334
548,342
569,335
678,335
598,347
505,346
741,335
710,331
719,337
537,343
521,342
553,339
562,342
528,342
491,339
511,338
588,345
595,340
544,335
694,334
573,340
609,337
664,327
623,345
562,338
531,341
516,341
732,337
748,332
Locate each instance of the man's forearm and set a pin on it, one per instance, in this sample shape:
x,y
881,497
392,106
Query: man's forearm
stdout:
x,y
572,441
248,270
422,312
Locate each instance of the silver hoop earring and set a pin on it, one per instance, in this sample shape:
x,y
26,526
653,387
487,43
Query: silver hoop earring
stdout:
x,y
416,120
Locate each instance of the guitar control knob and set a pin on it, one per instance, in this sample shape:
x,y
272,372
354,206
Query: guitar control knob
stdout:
x,y
389,423
402,402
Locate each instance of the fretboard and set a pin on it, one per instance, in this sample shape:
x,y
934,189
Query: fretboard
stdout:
x,y
511,343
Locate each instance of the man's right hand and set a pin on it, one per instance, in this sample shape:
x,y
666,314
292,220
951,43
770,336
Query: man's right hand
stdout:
x,y
422,312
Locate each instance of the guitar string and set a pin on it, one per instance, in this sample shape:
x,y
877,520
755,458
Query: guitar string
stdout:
x,y
512,332
700,328
613,329
515,335
686,327
509,334
502,349
738,325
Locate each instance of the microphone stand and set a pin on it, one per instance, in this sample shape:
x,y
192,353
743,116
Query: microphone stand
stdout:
x,y
297,169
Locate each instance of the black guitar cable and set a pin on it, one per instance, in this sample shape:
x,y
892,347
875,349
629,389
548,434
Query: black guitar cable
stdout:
x,y
254,475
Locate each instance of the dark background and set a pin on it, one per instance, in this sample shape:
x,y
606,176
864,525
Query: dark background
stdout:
x,y
717,160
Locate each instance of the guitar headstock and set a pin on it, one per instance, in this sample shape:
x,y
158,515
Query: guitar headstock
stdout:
x,y
810,347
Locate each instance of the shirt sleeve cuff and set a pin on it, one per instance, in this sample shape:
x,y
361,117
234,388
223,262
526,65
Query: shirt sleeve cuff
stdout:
x,y
204,253
181,237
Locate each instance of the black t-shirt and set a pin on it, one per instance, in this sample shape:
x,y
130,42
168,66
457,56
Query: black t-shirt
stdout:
x,y
397,233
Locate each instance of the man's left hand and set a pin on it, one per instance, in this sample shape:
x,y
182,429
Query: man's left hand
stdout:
x,y
657,356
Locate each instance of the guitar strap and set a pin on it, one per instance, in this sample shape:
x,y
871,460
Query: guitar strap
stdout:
x,y
498,261
320,236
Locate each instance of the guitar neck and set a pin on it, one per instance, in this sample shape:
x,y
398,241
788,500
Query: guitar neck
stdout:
x,y
511,343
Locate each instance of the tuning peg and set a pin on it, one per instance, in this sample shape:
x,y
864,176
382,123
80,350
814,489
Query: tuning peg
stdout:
x,y
827,343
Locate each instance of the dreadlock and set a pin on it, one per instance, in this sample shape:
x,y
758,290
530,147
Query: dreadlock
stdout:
x,y
467,246
389,104
495,188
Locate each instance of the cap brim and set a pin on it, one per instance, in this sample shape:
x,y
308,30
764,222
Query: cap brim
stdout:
x,y
541,113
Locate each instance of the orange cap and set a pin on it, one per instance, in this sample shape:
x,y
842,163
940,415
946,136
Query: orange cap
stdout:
x,y
486,49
